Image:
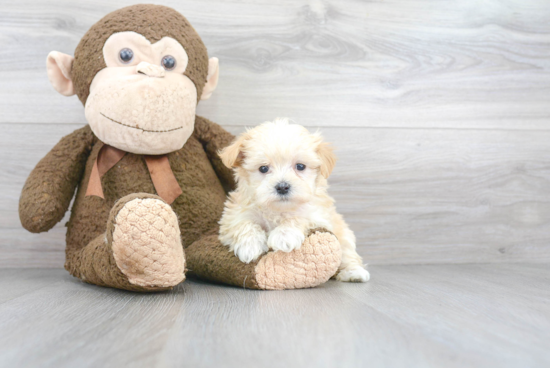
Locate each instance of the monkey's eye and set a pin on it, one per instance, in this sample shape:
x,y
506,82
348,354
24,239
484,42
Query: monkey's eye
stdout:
x,y
126,55
168,62
300,167
264,169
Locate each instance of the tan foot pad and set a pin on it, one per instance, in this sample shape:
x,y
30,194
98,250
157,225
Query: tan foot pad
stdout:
x,y
147,244
313,264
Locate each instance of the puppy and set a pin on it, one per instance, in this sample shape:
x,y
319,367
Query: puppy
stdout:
x,y
281,171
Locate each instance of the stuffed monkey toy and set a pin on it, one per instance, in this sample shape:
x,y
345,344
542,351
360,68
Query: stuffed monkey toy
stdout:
x,y
149,184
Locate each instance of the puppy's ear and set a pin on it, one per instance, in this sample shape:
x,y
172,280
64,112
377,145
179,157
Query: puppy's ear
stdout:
x,y
327,157
232,155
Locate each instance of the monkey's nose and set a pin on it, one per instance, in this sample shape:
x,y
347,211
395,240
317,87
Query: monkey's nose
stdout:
x,y
282,188
150,70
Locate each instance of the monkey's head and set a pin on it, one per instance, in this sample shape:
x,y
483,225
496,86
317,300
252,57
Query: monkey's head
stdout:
x,y
140,72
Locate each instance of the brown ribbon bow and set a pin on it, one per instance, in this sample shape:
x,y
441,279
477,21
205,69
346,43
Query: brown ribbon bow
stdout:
x,y
161,173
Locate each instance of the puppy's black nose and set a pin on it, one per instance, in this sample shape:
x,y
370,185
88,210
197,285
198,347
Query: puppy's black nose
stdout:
x,y
282,188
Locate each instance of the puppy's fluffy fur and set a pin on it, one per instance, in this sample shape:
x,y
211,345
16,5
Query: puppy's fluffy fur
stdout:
x,y
275,209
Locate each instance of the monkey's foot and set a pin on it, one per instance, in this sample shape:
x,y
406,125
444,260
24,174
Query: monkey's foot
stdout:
x,y
314,263
146,243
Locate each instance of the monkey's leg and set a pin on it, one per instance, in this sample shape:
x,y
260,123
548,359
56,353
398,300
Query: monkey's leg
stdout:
x,y
140,251
311,265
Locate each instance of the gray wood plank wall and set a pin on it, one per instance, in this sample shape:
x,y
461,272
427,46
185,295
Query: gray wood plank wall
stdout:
x,y
439,109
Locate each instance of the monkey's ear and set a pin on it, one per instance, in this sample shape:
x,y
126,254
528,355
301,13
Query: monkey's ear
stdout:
x,y
212,78
232,155
59,72
328,158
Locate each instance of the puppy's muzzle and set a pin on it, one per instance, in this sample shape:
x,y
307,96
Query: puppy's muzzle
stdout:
x,y
282,188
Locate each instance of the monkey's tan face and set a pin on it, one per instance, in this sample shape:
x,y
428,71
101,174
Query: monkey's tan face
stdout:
x,y
141,102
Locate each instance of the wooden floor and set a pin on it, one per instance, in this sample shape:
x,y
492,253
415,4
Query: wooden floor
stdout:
x,y
439,111
407,316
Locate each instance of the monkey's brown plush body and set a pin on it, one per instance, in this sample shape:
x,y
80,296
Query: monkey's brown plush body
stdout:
x,y
131,239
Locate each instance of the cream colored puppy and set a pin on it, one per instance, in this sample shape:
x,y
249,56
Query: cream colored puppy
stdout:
x,y
281,171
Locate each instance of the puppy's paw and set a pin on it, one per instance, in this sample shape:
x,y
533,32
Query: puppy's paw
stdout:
x,y
251,247
353,274
285,239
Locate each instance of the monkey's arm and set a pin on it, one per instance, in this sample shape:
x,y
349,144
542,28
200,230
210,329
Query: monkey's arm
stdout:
x,y
50,186
213,138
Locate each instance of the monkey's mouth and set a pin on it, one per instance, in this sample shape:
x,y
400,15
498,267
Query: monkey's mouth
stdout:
x,y
138,128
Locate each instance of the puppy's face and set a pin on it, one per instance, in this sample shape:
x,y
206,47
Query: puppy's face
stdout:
x,y
279,164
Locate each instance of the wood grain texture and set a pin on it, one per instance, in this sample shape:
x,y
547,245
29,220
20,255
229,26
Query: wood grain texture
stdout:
x,y
406,316
439,110
410,195
393,63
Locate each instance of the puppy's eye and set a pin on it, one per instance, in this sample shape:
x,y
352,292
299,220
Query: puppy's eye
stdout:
x,y
126,55
168,62
300,167
264,169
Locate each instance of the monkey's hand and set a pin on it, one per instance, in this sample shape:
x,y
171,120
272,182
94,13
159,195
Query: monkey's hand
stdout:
x,y
50,187
213,138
